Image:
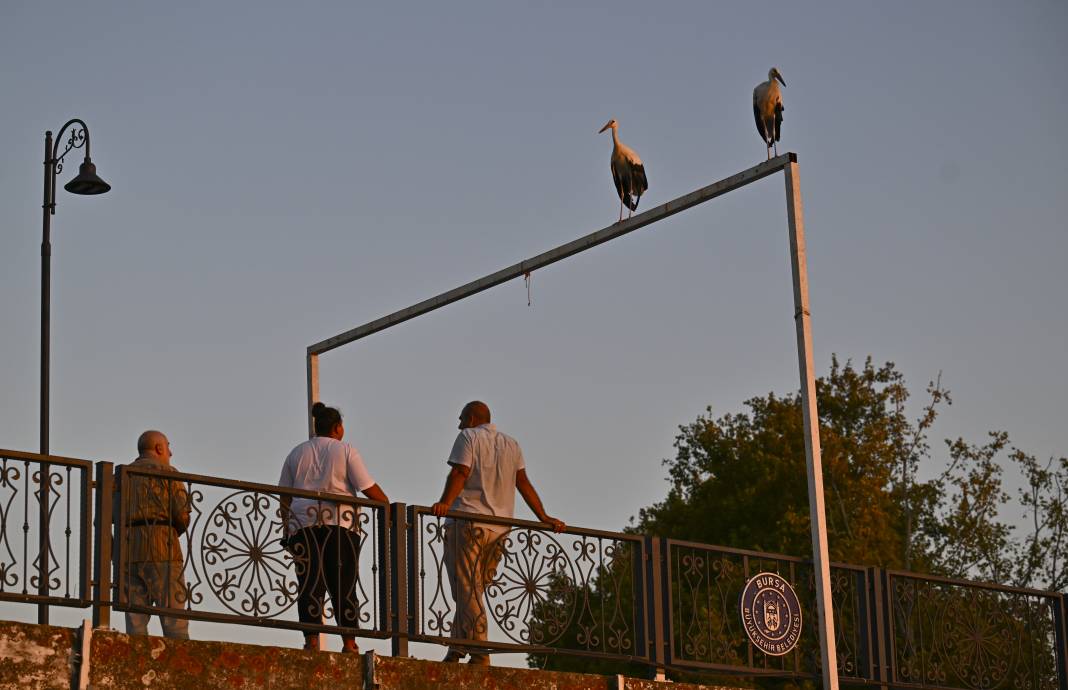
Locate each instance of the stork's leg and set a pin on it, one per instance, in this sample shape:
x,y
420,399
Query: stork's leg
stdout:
x,y
776,149
620,209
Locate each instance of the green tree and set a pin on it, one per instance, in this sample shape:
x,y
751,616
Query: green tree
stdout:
x,y
967,530
739,481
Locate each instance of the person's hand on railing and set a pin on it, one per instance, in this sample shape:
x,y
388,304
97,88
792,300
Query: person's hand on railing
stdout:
x,y
557,525
454,484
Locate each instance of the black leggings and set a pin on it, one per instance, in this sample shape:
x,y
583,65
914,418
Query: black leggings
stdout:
x,y
327,557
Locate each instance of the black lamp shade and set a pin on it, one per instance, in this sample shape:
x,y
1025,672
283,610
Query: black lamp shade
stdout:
x,y
87,181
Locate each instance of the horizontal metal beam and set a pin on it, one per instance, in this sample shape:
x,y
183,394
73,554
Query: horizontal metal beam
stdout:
x,y
542,260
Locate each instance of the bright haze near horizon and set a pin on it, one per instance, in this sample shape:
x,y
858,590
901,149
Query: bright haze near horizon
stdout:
x,y
283,172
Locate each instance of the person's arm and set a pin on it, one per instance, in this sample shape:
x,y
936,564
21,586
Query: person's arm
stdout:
x,y
454,484
285,481
530,495
358,476
375,493
179,507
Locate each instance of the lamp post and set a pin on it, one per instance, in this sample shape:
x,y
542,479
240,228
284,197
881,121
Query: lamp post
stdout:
x,y
86,183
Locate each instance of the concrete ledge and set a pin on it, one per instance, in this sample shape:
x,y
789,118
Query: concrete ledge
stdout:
x,y
34,657
129,661
415,674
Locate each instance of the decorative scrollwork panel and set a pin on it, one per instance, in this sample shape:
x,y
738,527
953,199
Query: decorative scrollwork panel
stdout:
x,y
528,588
44,558
251,555
950,634
706,626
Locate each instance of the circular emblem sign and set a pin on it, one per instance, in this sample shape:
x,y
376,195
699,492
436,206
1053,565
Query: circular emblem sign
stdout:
x,y
771,614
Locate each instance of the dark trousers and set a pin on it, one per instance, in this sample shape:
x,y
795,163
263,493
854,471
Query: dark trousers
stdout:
x,y
327,558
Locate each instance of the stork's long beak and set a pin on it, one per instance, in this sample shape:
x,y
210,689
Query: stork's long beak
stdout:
x,y
606,126
779,77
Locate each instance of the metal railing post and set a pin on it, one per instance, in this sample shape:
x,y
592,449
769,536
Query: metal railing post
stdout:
x,y
383,587
657,597
398,578
412,604
85,539
640,598
103,517
118,553
880,654
1060,622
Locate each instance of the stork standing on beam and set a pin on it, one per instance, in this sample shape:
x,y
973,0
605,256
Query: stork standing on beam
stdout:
x,y
628,173
767,109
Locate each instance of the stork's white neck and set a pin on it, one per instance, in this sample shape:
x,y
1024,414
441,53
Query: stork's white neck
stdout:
x,y
615,136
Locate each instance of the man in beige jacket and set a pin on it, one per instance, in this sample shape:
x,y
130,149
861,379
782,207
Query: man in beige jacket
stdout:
x,y
157,514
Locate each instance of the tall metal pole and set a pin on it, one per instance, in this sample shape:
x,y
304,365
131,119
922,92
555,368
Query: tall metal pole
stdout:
x,y
46,257
824,616
46,297
85,183
313,397
313,390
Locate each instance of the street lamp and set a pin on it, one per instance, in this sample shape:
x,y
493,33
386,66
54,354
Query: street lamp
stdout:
x,y
86,183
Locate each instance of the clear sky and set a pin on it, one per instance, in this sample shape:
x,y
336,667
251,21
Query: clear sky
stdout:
x,y
283,172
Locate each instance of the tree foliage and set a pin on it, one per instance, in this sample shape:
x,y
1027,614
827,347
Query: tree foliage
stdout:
x,y
740,480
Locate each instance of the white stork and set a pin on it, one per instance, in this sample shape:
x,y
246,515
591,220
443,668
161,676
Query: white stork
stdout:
x,y
767,109
627,172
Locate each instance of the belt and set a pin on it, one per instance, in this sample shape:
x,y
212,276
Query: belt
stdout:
x,y
150,523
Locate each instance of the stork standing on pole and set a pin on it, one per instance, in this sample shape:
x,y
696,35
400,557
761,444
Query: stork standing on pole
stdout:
x,y
767,109
628,173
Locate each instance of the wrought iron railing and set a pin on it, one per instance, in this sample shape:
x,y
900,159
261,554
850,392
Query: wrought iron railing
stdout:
x,y
966,635
705,628
45,526
506,584
245,553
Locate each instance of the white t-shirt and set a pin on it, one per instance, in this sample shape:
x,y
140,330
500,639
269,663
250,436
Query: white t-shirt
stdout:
x,y
327,465
494,459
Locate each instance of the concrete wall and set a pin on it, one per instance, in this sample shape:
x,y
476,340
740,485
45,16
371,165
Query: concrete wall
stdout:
x,y
37,656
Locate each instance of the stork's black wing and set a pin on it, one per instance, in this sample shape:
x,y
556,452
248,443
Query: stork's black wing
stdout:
x,y
778,120
618,180
638,185
761,126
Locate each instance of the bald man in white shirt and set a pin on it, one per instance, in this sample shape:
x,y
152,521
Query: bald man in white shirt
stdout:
x,y
487,468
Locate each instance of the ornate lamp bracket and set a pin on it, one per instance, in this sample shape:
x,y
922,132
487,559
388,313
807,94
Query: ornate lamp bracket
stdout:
x,y
79,137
